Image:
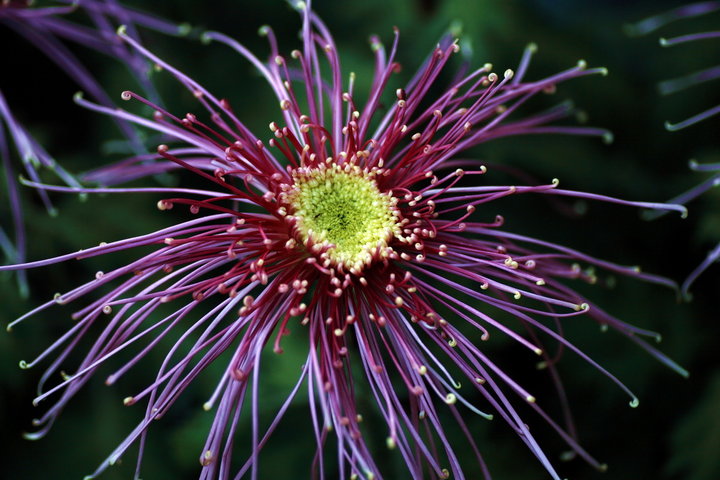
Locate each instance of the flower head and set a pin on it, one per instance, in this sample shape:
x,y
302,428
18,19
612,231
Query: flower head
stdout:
x,y
356,229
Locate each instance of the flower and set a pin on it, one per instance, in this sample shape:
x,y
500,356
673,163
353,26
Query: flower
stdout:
x,y
357,228
677,84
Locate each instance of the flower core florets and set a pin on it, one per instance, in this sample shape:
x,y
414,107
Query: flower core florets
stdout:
x,y
341,216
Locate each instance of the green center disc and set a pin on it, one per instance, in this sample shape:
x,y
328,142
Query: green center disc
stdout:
x,y
342,208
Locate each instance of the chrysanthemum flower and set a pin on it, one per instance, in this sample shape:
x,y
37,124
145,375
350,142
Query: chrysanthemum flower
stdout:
x,y
678,84
361,230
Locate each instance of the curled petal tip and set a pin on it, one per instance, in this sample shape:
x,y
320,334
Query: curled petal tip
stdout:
x,y
184,29
33,436
685,295
670,127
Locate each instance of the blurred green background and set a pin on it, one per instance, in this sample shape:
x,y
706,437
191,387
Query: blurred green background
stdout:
x,y
674,434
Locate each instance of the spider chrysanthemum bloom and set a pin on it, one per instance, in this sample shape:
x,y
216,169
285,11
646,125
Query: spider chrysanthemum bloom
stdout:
x,y
666,87
356,230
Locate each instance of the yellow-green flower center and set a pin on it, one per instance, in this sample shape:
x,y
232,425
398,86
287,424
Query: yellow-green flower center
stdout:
x,y
341,213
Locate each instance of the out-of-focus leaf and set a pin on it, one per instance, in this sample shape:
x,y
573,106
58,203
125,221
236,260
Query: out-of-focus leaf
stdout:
x,y
696,440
